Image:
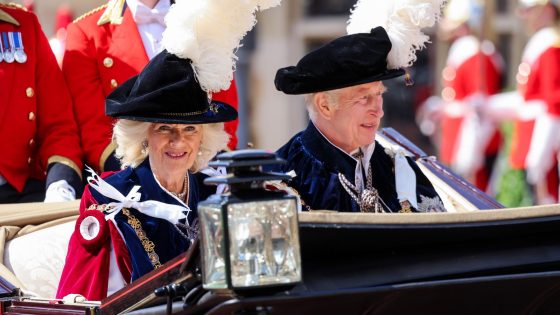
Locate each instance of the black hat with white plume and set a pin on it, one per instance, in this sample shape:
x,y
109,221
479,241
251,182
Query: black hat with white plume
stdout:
x,y
199,59
383,37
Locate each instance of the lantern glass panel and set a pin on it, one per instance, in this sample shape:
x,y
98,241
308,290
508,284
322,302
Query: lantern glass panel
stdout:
x,y
264,243
212,241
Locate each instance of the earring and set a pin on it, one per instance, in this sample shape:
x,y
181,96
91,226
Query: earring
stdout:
x,y
199,153
145,147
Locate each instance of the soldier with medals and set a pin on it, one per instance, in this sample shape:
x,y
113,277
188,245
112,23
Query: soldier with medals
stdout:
x,y
104,48
42,156
338,164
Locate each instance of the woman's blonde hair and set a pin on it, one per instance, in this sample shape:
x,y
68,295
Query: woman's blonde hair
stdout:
x,y
130,135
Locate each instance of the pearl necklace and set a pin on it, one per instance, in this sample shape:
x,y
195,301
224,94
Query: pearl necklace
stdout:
x,y
183,193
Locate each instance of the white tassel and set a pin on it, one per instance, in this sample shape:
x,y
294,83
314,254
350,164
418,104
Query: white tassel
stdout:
x,y
403,21
209,32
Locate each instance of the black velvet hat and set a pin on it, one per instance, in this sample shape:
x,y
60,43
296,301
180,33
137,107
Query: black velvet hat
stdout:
x,y
166,91
346,61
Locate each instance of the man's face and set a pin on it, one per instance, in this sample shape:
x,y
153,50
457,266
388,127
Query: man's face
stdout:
x,y
358,116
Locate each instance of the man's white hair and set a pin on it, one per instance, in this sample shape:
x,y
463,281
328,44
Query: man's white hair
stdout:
x,y
332,101
129,136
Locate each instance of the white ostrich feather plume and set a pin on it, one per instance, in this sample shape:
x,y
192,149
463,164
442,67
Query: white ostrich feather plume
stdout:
x,y
267,4
208,32
402,19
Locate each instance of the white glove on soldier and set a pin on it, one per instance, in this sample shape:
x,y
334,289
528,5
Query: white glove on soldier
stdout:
x,y
60,191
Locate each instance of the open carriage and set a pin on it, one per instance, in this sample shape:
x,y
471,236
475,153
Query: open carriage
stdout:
x,y
466,261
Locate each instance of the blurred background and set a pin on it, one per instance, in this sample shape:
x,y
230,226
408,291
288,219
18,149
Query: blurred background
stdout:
x,y
284,34
268,118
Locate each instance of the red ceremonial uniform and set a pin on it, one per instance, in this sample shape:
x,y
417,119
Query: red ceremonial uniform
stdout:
x,y
37,122
471,69
538,81
100,55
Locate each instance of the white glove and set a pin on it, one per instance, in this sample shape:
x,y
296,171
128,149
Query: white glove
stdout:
x,y
544,143
73,298
504,106
60,191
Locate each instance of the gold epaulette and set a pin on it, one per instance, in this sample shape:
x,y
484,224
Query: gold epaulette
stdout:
x,y
5,17
13,6
83,16
114,13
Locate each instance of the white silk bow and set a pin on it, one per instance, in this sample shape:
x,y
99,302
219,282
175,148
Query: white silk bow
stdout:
x,y
169,212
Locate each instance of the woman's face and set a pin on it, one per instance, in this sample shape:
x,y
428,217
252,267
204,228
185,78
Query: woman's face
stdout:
x,y
173,148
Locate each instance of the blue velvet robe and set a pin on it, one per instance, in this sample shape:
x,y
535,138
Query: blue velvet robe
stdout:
x,y
317,163
168,241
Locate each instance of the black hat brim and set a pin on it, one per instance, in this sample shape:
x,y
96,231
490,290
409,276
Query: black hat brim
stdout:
x,y
216,112
343,62
303,86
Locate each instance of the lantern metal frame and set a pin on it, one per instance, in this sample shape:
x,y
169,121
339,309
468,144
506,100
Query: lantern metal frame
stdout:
x,y
246,182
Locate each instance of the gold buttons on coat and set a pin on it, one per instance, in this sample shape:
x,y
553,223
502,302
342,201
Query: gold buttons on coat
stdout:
x,y
114,83
523,73
29,160
449,73
29,92
524,69
108,62
31,116
448,94
31,142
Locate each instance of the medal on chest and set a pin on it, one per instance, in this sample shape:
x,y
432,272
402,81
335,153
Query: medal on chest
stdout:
x,y
7,52
19,53
11,48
